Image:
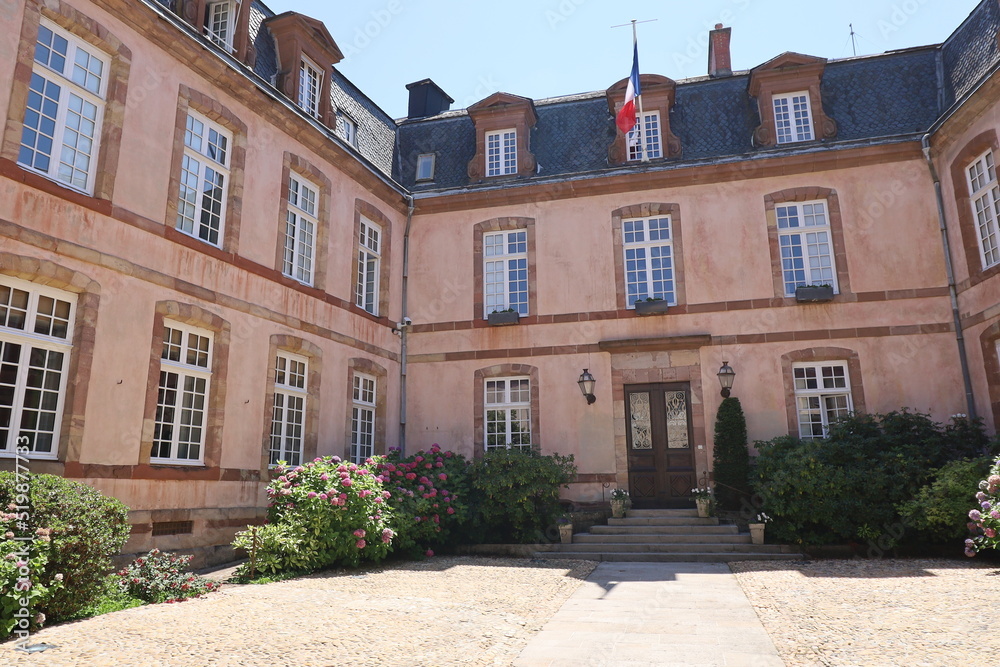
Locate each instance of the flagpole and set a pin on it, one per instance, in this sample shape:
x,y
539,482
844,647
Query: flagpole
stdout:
x,y
639,123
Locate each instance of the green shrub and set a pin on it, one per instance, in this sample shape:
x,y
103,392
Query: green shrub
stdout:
x,y
731,465
325,513
22,588
428,491
984,519
87,530
940,509
515,495
161,577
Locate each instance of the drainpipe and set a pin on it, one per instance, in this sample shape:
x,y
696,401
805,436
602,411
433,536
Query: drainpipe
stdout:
x,y
970,399
404,329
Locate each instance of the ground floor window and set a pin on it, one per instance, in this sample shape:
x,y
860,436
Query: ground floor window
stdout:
x,y
508,413
363,418
822,395
182,398
288,411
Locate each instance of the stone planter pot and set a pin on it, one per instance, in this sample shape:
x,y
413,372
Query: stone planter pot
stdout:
x,y
618,509
504,319
651,307
704,505
757,533
814,293
566,533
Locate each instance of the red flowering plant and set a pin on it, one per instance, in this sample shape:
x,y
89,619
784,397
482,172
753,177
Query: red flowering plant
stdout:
x,y
427,494
325,513
984,520
163,577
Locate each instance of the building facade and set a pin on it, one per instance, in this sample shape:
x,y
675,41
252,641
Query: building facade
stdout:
x,y
216,253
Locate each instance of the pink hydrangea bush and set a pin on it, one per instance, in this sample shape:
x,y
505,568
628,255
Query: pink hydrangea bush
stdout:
x,y
22,575
162,577
325,513
984,520
428,491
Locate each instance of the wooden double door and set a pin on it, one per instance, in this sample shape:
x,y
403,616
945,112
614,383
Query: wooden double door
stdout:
x,y
661,468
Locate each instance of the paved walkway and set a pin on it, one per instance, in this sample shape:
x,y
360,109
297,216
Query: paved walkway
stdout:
x,y
677,614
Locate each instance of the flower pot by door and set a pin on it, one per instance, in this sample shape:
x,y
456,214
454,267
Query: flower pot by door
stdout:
x,y
703,507
757,533
566,533
618,509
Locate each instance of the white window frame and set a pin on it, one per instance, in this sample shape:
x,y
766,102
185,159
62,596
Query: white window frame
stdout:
x,y
31,341
501,152
364,393
196,212
506,412
71,87
310,74
369,248
223,38
648,276
652,145
184,371
301,226
425,167
348,129
288,409
822,394
505,272
790,125
984,196
814,247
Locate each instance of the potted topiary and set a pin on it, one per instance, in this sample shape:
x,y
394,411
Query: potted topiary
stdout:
x,y
757,529
503,318
814,293
703,500
651,306
619,503
565,529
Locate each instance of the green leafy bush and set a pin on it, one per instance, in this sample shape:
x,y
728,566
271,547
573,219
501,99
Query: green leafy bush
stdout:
x,y
325,513
984,520
731,466
515,495
87,530
939,511
22,586
161,577
428,491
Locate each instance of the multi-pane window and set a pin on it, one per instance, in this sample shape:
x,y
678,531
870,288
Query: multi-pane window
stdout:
x,y
300,230
65,108
369,261
363,418
219,23
805,243
649,147
204,180
36,327
508,413
310,85
822,396
425,167
288,413
501,153
649,260
505,272
986,207
182,399
792,120
348,128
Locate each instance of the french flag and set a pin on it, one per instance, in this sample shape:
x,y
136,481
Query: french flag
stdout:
x,y
626,117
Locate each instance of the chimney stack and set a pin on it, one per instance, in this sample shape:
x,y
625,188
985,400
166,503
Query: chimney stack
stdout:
x,y
426,99
719,63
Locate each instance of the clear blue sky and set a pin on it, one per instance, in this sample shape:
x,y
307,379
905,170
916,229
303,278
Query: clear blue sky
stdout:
x,y
545,48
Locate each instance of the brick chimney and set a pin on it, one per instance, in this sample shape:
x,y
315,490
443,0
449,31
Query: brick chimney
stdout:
x,y
719,62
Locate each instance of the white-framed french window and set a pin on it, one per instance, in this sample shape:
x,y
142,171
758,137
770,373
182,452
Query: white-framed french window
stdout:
x,y
348,128
505,272
650,137
792,117
501,152
806,245
204,179
363,418
369,266
822,396
985,197
60,137
220,23
182,399
300,230
648,246
288,410
508,413
425,166
36,334
310,86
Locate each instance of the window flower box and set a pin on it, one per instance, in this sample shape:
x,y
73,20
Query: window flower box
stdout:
x,y
814,293
503,318
654,307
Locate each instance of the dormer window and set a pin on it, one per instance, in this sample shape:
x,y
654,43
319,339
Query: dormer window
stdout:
x,y
651,137
645,139
348,128
425,167
503,125
307,54
792,120
219,23
501,152
310,86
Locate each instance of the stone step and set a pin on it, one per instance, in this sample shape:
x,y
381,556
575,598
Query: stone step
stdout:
x,y
665,530
694,538
662,513
701,547
663,521
662,557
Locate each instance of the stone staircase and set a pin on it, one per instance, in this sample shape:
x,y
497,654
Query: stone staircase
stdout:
x,y
667,536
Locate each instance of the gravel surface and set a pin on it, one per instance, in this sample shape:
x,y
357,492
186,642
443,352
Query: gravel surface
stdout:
x,y
443,611
875,613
